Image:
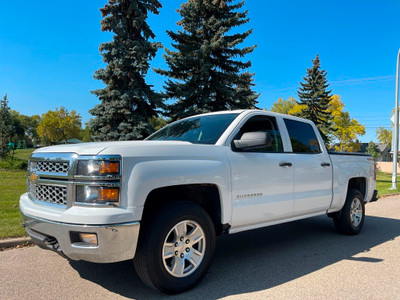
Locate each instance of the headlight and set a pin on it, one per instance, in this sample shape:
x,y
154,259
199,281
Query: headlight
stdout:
x,y
87,194
98,180
96,167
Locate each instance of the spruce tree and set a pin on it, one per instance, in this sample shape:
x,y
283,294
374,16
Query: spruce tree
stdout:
x,y
205,71
127,101
314,96
5,126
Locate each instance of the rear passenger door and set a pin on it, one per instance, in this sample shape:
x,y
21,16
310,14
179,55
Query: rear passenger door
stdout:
x,y
312,167
262,179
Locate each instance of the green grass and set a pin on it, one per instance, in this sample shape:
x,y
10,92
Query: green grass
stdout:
x,y
384,183
18,162
12,186
23,154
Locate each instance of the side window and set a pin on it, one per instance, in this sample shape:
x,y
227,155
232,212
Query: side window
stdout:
x,y
266,124
302,137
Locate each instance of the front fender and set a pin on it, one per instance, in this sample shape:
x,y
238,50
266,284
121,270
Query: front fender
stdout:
x,y
145,176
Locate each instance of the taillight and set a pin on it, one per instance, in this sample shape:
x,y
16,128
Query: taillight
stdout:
x,y
375,171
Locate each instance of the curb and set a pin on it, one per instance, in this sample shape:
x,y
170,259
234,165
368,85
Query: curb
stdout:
x,y
12,242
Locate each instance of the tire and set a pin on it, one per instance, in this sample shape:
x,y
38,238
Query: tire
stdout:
x,y
165,261
350,220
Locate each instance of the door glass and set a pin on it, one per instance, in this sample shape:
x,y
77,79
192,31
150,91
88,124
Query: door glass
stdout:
x,y
302,137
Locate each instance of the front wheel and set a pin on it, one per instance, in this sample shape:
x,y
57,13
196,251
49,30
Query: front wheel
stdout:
x,y
351,218
175,248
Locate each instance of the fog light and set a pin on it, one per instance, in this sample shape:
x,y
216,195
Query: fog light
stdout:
x,y
88,238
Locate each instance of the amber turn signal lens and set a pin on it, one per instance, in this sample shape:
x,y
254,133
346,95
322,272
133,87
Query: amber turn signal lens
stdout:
x,y
108,194
107,167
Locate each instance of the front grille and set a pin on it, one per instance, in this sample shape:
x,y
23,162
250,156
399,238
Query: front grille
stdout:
x,y
49,166
49,193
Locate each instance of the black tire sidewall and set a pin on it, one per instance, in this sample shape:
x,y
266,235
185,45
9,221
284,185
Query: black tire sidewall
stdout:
x,y
157,232
345,220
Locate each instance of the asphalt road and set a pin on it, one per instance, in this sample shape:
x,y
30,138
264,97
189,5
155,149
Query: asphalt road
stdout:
x,y
301,260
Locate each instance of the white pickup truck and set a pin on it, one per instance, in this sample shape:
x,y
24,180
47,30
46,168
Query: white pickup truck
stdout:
x,y
163,201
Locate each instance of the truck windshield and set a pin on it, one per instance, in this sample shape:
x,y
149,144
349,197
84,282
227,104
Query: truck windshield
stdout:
x,y
196,130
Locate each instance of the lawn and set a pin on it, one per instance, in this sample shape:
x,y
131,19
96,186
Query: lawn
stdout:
x,y
12,186
23,153
384,183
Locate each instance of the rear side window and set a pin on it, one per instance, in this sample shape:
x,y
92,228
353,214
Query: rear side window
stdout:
x,y
264,124
302,137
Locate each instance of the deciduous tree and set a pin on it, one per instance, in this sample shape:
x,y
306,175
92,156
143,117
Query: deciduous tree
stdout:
x,y
127,101
346,128
384,135
287,107
25,127
283,106
206,70
59,125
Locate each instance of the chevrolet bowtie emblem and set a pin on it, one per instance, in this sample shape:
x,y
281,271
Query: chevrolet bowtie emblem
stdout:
x,y
33,177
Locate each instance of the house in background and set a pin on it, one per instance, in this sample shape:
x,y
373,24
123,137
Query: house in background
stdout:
x,y
383,148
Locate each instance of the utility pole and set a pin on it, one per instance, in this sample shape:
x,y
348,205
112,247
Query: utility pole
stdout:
x,y
396,128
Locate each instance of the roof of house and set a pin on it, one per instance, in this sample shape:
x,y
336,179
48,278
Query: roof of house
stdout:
x,y
381,147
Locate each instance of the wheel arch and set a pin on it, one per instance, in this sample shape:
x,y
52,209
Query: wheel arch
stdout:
x,y
206,195
358,183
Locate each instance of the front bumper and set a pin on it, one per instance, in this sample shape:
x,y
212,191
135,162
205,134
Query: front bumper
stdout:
x,y
116,242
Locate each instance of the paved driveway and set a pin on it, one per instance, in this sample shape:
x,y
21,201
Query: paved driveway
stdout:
x,y
299,260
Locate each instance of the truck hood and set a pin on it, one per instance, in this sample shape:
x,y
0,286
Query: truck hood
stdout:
x,y
96,148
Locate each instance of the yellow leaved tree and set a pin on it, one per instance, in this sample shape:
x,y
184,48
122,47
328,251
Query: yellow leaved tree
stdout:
x,y
287,107
346,128
59,125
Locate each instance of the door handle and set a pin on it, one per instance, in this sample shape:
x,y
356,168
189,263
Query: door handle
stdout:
x,y
325,164
285,164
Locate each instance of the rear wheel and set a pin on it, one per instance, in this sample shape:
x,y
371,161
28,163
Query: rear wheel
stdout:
x,y
350,220
175,248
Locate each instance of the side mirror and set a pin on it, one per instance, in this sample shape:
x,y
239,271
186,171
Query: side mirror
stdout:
x,y
253,140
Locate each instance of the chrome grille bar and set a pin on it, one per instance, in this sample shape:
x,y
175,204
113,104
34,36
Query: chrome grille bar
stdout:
x,y
50,178
49,193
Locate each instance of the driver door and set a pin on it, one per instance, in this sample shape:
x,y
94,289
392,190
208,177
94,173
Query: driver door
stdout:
x,y
263,178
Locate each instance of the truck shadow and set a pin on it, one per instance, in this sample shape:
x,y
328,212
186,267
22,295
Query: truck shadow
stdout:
x,y
257,260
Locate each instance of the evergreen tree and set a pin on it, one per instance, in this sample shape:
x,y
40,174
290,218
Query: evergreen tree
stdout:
x,y
127,101
5,127
206,74
315,96
373,150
